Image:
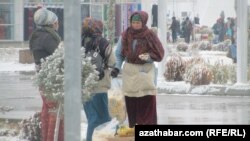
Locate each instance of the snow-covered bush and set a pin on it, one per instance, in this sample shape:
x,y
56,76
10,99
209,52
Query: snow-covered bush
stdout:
x,y
31,128
51,76
220,73
8,129
219,47
175,68
232,73
194,46
197,72
205,45
182,46
222,46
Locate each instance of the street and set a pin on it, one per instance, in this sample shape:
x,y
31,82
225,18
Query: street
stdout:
x,y
18,91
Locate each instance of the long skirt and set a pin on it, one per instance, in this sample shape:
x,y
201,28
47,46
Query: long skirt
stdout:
x,y
141,110
48,120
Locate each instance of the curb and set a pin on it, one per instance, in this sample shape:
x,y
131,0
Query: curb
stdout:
x,y
219,90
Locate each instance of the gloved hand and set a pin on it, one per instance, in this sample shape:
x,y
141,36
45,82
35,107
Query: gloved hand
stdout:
x,y
115,72
144,56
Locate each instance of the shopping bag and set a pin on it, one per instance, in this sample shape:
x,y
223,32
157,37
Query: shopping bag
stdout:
x,y
106,130
117,108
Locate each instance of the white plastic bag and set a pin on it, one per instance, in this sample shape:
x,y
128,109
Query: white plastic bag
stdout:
x,y
117,108
106,130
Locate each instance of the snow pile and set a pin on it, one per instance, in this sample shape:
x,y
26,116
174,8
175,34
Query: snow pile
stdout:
x,y
9,61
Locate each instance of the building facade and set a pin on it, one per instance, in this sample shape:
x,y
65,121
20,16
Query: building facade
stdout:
x,y
16,16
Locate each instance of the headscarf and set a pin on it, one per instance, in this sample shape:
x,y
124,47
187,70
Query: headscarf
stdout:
x,y
147,42
44,17
92,27
136,17
92,34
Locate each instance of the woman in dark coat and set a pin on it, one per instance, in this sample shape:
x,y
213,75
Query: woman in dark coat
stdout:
x,y
43,42
138,48
96,108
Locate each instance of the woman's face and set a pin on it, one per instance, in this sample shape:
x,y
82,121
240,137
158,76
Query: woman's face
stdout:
x,y
56,26
136,25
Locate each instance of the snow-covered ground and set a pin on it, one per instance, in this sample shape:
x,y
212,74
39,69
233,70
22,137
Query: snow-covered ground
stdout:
x,y
17,138
9,62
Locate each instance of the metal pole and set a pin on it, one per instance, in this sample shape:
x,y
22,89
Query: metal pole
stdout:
x,y
242,37
72,63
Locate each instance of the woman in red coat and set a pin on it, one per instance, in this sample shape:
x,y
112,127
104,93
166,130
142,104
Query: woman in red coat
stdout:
x,y
138,48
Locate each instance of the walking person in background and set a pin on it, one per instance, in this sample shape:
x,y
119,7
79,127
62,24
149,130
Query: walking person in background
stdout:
x,y
43,42
96,109
221,27
174,29
138,48
233,50
188,29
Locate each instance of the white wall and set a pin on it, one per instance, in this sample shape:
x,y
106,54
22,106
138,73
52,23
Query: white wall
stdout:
x,y
208,10
211,12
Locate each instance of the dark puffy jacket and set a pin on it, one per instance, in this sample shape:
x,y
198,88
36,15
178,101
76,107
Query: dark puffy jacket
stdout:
x,y
43,43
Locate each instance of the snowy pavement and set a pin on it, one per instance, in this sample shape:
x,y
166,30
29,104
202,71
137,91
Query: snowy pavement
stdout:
x,y
177,102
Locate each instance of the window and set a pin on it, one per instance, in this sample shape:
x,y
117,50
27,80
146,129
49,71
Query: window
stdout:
x,y
6,20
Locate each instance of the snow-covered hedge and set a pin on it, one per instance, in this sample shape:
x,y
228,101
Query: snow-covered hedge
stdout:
x,y
197,72
222,46
205,45
51,76
182,46
223,74
30,128
175,68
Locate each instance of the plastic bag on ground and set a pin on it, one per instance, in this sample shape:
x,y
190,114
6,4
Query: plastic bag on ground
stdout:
x,y
106,130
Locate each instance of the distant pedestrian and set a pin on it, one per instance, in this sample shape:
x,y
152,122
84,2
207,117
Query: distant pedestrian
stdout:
x,y
188,29
174,28
233,51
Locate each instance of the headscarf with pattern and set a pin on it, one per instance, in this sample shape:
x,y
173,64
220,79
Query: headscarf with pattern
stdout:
x,y
45,17
92,34
92,27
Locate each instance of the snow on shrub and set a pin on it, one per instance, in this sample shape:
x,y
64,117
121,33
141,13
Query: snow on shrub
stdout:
x,y
31,128
232,73
197,72
200,74
222,46
205,45
220,73
182,46
51,76
175,68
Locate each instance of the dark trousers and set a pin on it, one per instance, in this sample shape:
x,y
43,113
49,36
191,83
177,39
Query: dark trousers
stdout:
x,y
174,36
